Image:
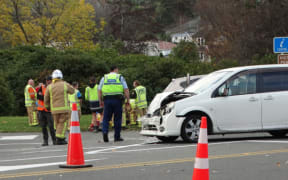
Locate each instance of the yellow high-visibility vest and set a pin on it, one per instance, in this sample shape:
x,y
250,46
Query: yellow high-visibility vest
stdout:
x,y
112,85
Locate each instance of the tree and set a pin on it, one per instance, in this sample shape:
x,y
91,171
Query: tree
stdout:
x,y
236,29
61,23
186,51
174,11
132,22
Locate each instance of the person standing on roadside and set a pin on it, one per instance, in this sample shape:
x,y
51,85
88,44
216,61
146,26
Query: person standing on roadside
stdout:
x,y
111,91
56,98
140,98
91,95
45,117
30,103
75,98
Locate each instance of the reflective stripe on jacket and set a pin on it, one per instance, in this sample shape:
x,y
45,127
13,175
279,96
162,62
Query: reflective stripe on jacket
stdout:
x,y
28,100
57,96
141,101
112,85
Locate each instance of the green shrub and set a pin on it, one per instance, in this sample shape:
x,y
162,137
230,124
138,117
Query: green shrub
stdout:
x,y
6,98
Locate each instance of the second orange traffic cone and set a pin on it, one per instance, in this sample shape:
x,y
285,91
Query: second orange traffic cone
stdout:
x,y
75,155
201,166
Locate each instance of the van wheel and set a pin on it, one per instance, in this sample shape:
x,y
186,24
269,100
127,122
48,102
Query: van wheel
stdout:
x,y
278,133
167,138
191,128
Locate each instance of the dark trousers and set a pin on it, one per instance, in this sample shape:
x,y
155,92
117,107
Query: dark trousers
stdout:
x,y
45,119
112,106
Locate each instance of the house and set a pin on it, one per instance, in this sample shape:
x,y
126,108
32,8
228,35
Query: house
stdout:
x,y
159,48
189,32
183,36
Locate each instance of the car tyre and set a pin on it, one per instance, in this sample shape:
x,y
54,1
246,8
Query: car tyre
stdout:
x,y
167,138
190,128
278,134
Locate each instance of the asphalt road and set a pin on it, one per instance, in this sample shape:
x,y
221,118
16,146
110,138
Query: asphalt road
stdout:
x,y
231,157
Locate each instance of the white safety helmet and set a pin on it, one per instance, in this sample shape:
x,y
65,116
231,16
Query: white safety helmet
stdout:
x,y
57,74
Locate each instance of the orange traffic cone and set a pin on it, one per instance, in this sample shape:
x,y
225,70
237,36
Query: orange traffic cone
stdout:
x,y
75,155
201,166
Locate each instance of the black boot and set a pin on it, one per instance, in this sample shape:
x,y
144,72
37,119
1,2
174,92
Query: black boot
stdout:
x,y
45,143
105,137
118,139
61,141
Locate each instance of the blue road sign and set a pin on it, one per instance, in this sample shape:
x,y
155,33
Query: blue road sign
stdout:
x,y
280,45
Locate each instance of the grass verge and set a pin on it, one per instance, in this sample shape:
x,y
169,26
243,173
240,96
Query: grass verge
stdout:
x,y
20,124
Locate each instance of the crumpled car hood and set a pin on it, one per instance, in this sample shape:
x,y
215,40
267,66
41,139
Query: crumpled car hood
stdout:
x,y
156,102
162,99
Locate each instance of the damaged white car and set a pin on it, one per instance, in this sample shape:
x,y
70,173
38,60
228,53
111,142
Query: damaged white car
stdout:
x,y
161,104
235,100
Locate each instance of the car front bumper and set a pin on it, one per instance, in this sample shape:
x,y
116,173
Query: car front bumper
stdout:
x,y
157,126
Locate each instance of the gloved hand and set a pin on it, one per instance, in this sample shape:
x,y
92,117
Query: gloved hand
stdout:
x,y
36,104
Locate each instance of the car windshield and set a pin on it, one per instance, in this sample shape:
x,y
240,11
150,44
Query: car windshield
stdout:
x,y
205,82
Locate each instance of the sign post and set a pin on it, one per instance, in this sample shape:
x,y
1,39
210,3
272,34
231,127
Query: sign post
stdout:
x,y
280,45
282,58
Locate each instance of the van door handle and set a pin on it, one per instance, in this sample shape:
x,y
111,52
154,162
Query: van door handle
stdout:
x,y
253,99
269,97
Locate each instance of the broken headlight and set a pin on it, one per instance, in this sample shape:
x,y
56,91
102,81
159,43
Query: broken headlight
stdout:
x,y
167,109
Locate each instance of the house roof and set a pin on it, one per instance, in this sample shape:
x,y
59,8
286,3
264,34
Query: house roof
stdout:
x,y
163,45
189,26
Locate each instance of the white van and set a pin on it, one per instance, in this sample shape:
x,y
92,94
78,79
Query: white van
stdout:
x,y
241,99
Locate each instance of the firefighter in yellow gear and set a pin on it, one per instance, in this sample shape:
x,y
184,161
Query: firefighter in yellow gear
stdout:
x,y
56,98
30,103
140,99
140,107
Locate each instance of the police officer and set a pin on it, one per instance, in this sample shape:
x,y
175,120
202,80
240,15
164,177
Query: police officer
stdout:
x,y
111,89
56,98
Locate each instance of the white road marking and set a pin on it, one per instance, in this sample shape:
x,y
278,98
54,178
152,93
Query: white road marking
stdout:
x,y
24,137
57,150
11,144
147,149
170,147
265,141
113,148
17,167
44,151
32,158
21,149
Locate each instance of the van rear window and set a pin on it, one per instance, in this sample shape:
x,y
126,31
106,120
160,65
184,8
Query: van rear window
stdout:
x,y
274,81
